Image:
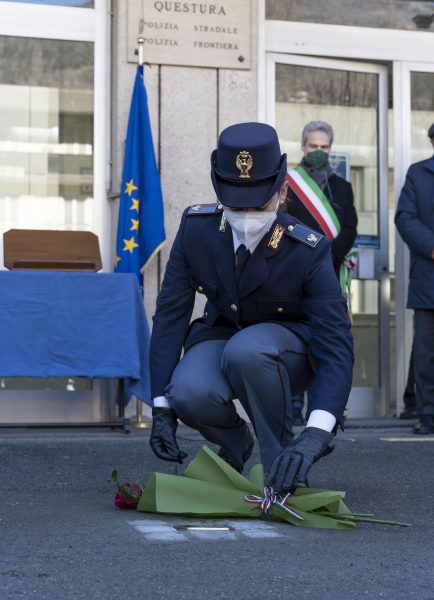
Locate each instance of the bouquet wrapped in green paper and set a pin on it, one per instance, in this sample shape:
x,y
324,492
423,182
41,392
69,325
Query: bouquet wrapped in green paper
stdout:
x,y
212,488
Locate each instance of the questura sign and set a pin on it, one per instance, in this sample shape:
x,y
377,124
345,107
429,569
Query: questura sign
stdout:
x,y
201,34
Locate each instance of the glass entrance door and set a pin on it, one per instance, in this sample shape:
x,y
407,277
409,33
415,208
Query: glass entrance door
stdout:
x,y
352,97
413,115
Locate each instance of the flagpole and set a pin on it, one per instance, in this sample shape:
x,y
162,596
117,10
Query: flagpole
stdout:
x,y
140,420
141,56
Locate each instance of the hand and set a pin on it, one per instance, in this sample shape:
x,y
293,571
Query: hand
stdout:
x,y
163,435
290,467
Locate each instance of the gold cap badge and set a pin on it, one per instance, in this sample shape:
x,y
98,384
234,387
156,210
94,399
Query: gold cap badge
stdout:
x,y
244,163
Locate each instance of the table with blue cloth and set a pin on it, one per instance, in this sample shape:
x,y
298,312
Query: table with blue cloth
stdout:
x,y
69,324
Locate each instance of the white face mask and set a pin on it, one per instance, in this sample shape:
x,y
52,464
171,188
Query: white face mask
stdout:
x,y
251,226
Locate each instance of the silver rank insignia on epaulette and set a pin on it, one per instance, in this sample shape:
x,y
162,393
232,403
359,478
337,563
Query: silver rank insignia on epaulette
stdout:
x,y
276,236
204,209
304,234
223,222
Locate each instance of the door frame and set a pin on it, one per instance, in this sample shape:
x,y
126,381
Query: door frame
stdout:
x,y
53,22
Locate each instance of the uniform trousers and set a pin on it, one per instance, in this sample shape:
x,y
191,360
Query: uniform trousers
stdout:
x,y
423,348
410,400
261,365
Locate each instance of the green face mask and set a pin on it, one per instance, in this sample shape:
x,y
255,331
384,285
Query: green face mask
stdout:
x,y
317,159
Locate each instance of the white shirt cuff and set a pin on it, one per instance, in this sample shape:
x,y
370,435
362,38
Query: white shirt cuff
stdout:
x,y
321,419
161,402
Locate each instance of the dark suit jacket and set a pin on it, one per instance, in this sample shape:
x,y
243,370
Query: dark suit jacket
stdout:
x,y
293,284
342,202
415,222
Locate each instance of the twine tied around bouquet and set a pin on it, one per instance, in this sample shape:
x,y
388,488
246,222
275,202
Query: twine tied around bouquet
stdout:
x,y
269,498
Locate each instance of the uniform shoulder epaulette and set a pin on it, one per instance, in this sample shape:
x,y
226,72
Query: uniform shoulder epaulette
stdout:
x,y
205,209
304,234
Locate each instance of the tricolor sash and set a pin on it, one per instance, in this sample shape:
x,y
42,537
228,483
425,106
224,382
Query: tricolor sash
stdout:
x,y
317,204
314,200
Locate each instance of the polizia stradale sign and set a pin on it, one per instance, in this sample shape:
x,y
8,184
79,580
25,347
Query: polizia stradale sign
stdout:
x,y
202,34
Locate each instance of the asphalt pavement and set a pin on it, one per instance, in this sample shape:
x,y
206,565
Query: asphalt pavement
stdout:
x,y
62,538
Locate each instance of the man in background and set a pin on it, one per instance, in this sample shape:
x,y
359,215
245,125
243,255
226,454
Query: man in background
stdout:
x,y
324,201
414,220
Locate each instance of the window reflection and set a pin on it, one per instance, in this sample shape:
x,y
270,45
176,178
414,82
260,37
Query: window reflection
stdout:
x,y
347,100
422,114
46,134
384,14
79,3
46,147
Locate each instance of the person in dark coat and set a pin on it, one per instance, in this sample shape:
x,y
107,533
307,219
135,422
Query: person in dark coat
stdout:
x,y
274,320
414,220
316,145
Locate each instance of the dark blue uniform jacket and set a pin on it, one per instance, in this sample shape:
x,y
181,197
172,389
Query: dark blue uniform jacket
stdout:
x,y
415,222
293,284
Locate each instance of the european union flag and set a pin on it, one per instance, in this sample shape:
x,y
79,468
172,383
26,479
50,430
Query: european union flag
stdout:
x,y
141,220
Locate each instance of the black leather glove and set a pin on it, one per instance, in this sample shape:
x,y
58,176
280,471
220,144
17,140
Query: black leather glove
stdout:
x,y
290,467
163,435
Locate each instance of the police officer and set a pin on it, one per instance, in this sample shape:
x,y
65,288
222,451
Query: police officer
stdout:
x,y
275,320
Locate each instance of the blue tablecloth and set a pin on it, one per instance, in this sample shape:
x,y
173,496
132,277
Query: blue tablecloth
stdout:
x,y
56,324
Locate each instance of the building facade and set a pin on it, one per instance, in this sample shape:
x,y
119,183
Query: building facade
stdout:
x,y
66,77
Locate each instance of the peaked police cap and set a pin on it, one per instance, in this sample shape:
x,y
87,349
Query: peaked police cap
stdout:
x,y
247,168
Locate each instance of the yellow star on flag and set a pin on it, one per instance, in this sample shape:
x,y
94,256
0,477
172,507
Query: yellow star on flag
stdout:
x,y
117,259
130,187
135,225
130,245
135,204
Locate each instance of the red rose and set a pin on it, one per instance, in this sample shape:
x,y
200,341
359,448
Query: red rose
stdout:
x,y
128,495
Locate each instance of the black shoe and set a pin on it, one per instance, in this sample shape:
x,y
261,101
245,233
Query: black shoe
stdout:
x,y
297,417
409,413
425,425
246,455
